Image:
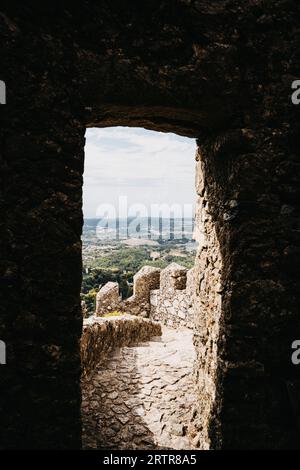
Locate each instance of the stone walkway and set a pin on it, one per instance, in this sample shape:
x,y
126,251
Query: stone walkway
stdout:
x,y
141,398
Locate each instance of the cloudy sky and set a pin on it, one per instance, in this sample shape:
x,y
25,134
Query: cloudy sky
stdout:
x,y
146,166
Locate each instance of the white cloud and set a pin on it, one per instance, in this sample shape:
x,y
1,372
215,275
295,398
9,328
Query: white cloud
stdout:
x,y
147,166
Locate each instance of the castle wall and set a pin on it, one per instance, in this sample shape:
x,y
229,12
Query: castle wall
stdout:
x,y
146,279
172,303
102,336
162,295
108,299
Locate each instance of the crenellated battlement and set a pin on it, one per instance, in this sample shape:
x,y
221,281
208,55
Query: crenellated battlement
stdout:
x,y
164,295
172,303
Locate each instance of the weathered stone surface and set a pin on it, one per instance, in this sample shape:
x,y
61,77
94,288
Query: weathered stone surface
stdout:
x,y
173,277
208,304
164,296
108,299
146,279
102,336
155,410
172,303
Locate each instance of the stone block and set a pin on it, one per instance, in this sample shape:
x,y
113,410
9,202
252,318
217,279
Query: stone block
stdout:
x,y
154,295
173,277
108,298
145,280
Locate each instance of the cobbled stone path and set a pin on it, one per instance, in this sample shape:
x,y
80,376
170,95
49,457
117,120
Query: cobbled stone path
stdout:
x,y
142,397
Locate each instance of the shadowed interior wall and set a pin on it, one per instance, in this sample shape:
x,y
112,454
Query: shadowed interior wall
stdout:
x,y
220,71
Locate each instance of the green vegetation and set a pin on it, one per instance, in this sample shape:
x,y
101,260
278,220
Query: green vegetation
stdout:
x,y
119,264
90,300
98,277
128,259
123,259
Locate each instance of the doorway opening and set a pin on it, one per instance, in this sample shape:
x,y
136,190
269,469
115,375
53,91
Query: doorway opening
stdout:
x,y
138,290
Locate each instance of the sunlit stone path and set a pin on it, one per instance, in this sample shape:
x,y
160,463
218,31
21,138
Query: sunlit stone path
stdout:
x,y
141,398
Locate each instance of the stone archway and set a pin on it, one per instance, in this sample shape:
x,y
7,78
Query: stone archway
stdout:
x,y
217,71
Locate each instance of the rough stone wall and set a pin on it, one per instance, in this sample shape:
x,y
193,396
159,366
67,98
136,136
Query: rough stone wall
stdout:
x,y
207,302
172,303
219,71
102,336
253,337
143,282
165,296
172,309
108,299
142,396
